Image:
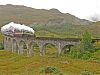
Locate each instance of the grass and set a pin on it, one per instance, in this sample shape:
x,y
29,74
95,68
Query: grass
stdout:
x,y
13,64
1,37
66,31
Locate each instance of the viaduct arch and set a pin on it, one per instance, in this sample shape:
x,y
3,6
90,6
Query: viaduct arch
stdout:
x,y
15,44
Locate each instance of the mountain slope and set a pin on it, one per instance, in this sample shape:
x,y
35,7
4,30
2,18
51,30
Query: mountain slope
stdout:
x,y
27,15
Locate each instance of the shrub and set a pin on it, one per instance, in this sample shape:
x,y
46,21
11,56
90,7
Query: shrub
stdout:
x,y
87,73
86,43
86,55
49,69
1,46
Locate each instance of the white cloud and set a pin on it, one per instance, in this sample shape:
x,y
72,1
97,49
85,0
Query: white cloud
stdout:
x,y
79,8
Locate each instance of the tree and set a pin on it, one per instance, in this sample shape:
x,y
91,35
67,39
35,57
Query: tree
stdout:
x,y
86,42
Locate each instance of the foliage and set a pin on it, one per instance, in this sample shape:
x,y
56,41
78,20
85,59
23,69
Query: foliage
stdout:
x,y
50,69
79,55
86,42
87,73
1,37
85,55
1,46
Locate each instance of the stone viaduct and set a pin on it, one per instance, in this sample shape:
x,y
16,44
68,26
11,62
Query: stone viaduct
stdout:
x,y
15,44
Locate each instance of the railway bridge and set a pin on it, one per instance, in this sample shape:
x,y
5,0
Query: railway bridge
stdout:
x,y
16,43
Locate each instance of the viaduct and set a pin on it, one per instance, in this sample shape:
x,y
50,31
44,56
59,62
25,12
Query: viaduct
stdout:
x,y
16,43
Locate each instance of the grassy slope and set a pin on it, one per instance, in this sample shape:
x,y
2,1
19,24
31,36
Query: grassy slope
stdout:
x,y
47,22
27,15
67,30
13,64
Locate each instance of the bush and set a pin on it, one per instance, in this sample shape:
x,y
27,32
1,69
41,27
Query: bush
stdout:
x,y
86,43
87,73
86,55
79,55
50,70
1,46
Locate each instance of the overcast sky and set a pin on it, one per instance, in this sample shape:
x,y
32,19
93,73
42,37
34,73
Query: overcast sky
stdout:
x,y
80,8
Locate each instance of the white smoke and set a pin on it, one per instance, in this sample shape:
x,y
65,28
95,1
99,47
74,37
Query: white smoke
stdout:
x,y
11,27
95,17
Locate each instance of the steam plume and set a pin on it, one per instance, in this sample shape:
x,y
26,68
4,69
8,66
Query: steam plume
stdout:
x,y
11,27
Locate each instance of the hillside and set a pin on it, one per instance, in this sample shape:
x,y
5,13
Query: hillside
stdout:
x,y
28,15
13,64
48,23
66,30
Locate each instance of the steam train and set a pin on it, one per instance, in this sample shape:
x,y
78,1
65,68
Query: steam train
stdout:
x,y
19,34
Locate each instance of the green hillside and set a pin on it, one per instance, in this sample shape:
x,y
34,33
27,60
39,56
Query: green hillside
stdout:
x,y
27,15
48,23
66,30
13,64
